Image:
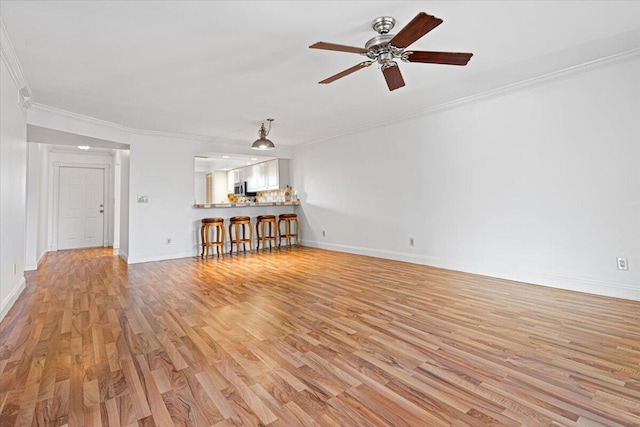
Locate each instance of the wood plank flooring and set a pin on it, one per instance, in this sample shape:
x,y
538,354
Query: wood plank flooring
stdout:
x,y
306,337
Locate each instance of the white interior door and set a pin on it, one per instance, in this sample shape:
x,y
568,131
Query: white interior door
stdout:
x,y
81,208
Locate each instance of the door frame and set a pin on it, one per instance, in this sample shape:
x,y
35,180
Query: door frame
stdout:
x,y
56,197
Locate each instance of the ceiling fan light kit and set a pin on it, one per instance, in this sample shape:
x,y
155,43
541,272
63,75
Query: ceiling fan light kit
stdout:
x,y
386,49
263,143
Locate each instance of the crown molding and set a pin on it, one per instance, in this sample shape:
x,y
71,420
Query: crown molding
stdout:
x,y
8,54
225,145
46,109
545,79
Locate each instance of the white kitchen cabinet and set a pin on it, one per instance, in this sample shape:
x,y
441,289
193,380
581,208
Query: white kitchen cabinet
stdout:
x,y
253,178
277,174
271,175
230,181
233,176
259,171
272,180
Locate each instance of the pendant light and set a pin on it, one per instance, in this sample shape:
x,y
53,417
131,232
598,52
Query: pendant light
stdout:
x,y
263,143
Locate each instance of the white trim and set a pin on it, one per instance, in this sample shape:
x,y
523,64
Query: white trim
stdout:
x,y
590,286
620,58
56,197
160,257
8,54
41,257
630,55
92,120
545,79
123,255
12,297
222,144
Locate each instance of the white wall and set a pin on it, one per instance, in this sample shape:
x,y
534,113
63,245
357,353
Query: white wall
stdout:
x,y
13,173
117,199
43,211
123,248
32,256
541,185
38,184
161,169
200,187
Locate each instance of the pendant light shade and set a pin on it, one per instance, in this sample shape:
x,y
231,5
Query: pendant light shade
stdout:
x,y
263,143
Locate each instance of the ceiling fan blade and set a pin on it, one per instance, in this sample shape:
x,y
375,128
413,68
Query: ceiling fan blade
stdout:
x,y
393,76
418,27
338,47
346,72
449,58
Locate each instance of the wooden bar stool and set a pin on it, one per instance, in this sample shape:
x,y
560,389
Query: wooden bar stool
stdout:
x,y
237,224
217,224
289,220
266,223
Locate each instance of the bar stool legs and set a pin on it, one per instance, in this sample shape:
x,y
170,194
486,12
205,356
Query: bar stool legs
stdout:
x,y
289,221
217,242
212,233
266,223
237,224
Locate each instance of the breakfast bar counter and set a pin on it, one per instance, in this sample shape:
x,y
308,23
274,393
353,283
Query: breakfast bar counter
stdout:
x,y
226,211
243,205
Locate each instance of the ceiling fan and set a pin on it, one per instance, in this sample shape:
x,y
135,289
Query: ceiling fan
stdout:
x,y
385,48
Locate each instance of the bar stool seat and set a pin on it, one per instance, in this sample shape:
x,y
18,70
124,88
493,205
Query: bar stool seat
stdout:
x,y
290,221
266,231
217,242
238,233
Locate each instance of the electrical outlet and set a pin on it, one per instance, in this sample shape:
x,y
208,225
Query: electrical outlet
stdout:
x,y
324,234
15,268
411,242
143,199
168,240
622,264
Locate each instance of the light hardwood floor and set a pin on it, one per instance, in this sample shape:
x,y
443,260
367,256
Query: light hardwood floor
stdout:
x,y
310,337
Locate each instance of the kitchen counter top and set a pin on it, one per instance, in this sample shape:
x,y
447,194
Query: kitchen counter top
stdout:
x,y
243,205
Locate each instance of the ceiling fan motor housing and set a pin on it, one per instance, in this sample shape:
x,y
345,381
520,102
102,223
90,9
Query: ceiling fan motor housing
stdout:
x,y
379,48
383,24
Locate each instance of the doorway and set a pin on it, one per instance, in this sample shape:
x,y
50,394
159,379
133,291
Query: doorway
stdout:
x,y
80,206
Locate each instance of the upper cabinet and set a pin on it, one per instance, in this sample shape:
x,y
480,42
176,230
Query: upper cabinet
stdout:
x,y
270,175
277,174
259,177
233,176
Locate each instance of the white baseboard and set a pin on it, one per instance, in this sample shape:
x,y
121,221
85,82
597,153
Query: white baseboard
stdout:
x,y
616,290
12,297
158,257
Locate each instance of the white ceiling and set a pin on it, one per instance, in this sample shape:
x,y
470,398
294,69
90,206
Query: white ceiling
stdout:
x,y
219,68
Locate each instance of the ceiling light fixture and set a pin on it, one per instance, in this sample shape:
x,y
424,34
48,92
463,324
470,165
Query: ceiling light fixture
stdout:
x,y
263,143
83,147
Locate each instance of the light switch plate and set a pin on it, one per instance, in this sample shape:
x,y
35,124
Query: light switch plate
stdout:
x,y
622,263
